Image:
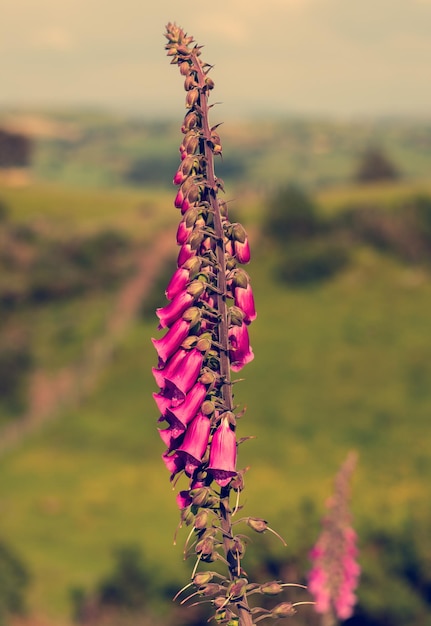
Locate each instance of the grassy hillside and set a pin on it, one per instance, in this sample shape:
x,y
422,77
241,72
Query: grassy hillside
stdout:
x,y
340,364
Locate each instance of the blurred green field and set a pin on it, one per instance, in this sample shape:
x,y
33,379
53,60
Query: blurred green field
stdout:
x,y
344,364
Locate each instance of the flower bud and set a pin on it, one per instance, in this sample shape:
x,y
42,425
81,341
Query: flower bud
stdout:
x,y
201,519
208,407
204,344
236,315
238,233
189,342
208,377
196,288
192,315
200,496
241,278
192,98
190,82
285,609
271,589
191,120
257,524
202,578
209,83
184,68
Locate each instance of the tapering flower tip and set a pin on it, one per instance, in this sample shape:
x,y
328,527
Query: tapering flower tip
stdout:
x,y
181,415
172,311
240,352
223,450
171,436
183,499
182,378
195,443
173,462
244,300
183,232
170,343
179,281
186,252
161,373
163,403
242,251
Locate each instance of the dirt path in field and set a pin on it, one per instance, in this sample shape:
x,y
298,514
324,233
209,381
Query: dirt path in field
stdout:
x,y
51,392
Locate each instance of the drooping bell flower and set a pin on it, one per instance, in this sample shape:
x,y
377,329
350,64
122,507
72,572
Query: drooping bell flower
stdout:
x,y
195,443
167,345
182,378
161,373
182,414
244,300
172,311
173,462
240,352
178,283
222,462
186,252
171,436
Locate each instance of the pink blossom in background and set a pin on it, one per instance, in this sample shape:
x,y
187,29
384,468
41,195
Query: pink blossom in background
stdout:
x,y
334,575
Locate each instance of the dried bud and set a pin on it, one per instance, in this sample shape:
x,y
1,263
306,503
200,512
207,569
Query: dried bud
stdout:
x,y
285,609
209,83
190,82
184,68
191,120
257,524
192,98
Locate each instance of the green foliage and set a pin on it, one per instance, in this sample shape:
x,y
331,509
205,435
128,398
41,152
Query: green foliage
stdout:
x,y
15,363
302,264
14,581
375,166
291,216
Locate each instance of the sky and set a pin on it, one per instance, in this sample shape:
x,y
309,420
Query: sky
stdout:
x,y
342,58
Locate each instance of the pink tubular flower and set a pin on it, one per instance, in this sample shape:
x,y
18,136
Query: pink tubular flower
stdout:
x,y
182,378
195,443
240,352
185,254
171,312
222,463
242,251
167,345
335,571
244,300
183,233
182,414
161,374
178,283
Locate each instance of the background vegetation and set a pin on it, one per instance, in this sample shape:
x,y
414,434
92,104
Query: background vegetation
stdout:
x,y
341,274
